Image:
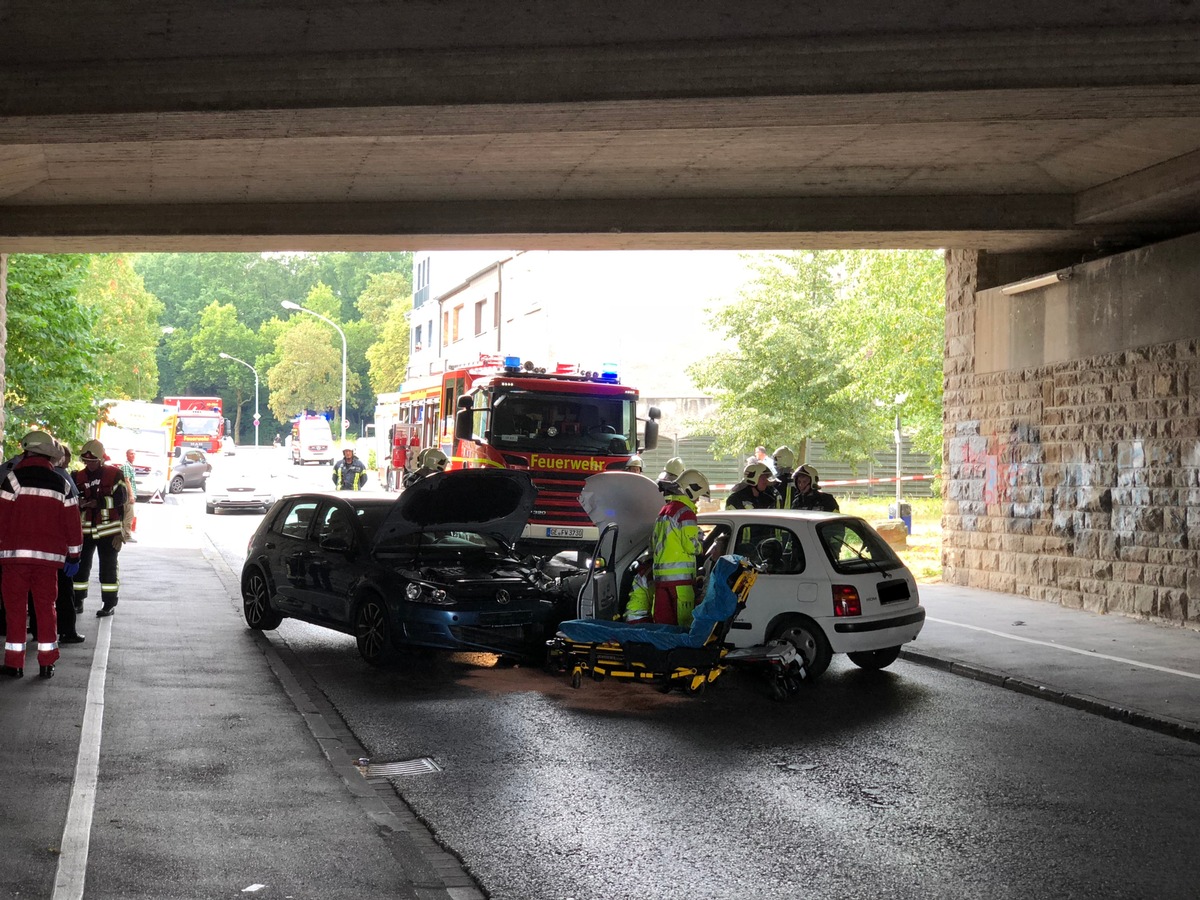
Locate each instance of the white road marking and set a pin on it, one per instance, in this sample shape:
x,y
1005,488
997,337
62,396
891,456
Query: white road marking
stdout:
x,y
1092,653
73,850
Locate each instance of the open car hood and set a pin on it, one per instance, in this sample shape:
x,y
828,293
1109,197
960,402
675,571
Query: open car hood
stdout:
x,y
630,500
495,502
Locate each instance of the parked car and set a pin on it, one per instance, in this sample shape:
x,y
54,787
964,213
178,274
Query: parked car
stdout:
x,y
827,583
190,470
433,567
240,490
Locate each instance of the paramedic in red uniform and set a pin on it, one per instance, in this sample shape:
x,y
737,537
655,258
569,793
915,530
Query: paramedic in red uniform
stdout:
x,y
39,534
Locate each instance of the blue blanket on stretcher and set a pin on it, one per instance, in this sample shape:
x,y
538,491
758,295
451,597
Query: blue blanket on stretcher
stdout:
x,y
719,605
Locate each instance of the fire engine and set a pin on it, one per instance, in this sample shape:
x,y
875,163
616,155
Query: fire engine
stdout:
x,y
201,423
561,426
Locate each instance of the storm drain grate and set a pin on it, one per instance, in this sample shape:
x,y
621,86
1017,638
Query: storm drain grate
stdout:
x,y
422,766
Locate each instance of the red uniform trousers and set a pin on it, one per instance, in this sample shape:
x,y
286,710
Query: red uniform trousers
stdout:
x,y
20,580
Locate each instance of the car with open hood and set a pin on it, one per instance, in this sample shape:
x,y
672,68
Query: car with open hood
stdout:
x,y
434,567
828,583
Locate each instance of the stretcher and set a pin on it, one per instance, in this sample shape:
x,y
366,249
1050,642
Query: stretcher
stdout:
x,y
669,657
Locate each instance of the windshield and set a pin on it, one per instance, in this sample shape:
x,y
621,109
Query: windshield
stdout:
x,y
209,425
141,440
444,543
369,520
560,423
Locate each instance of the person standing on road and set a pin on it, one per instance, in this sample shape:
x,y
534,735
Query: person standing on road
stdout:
x,y
101,507
676,548
129,520
349,473
809,494
40,533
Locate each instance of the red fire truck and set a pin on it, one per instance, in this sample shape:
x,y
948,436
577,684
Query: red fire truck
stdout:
x,y
560,426
200,422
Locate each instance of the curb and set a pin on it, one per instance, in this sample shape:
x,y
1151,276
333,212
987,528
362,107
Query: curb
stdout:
x,y
447,878
1160,724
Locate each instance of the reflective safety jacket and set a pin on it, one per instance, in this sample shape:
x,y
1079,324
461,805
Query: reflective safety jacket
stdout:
x,y
349,476
39,515
107,488
676,541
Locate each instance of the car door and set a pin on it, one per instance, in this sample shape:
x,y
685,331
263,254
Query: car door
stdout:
x,y
291,555
786,581
192,468
334,563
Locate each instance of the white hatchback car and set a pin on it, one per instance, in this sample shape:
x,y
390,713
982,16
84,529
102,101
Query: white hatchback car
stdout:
x,y
827,583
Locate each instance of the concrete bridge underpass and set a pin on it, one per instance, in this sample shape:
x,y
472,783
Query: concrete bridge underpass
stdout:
x,y
1061,144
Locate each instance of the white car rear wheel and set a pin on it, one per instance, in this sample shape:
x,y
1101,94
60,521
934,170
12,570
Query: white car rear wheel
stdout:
x,y
808,639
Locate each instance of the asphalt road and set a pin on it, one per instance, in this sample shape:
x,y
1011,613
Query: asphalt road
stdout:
x,y
906,783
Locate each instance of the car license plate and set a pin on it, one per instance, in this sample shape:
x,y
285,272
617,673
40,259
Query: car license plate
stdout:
x,y
893,591
576,533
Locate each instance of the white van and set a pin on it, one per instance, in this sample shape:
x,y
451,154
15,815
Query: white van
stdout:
x,y
312,441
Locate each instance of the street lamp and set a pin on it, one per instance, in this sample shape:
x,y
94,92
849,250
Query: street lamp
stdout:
x,y
288,304
255,371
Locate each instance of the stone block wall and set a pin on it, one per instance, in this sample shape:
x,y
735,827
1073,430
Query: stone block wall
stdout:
x,y
1076,482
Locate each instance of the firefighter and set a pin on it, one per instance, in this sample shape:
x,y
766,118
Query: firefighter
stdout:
x,y
430,460
349,473
634,464
756,491
668,479
40,533
641,593
785,463
809,494
677,548
101,507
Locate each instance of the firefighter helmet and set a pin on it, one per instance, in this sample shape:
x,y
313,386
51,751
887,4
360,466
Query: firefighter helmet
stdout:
x,y
634,464
694,483
755,471
42,444
810,471
672,470
92,450
784,458
435,459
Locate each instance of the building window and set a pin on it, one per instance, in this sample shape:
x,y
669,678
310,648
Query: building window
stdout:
x,y
496,310
454,337
445,328
417,338
479,308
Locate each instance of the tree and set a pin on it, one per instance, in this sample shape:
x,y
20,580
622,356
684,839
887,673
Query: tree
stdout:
x,y
53,358
126,317
387,304
307,368
820,337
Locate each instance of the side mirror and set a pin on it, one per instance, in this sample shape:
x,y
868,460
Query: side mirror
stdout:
x,y
650,439
463,421
177,452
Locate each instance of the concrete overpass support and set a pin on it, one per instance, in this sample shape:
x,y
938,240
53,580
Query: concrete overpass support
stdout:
x,y
1072,432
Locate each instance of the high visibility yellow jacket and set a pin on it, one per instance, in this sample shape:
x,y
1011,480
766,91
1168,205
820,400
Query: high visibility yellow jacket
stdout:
x,y
676,542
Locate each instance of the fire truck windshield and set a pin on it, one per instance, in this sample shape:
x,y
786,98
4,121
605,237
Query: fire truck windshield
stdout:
x,y
563,423
209,425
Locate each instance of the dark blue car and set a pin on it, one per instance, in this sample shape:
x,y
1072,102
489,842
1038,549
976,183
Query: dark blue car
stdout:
x,y
432,568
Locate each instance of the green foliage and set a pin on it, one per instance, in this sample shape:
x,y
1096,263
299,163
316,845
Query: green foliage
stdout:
x,y
126,317
388,356
820,337
53,354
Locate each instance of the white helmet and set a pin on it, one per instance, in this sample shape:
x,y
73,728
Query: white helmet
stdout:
x,y
784,458
810,471
635,463
755,471
42,444
433,458
672,470
693,483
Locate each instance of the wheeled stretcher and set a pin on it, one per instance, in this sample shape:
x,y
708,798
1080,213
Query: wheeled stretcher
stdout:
x,y
667,656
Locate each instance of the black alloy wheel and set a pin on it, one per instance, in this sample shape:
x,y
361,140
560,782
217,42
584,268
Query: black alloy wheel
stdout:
x,y
373,632
256,602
